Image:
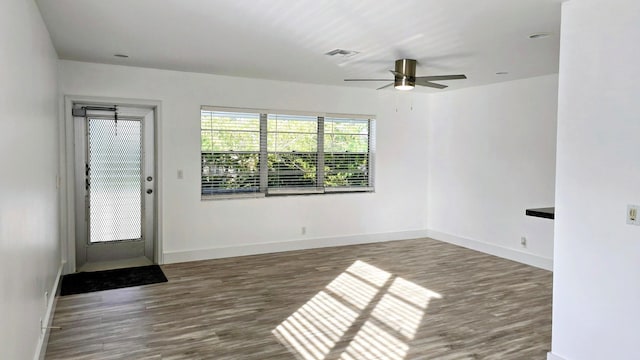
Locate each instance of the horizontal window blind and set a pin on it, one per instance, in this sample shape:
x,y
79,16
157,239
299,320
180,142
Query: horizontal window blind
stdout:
x,y
292,151
230,152
257,154
346,153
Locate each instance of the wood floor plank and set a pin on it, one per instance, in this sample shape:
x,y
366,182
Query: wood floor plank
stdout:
x,y
412,299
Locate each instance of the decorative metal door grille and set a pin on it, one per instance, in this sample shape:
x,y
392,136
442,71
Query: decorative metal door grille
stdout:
x,y
114,180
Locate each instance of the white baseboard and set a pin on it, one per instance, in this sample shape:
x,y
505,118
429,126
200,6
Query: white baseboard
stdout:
x,y
301,244
47,320
511,254
552,356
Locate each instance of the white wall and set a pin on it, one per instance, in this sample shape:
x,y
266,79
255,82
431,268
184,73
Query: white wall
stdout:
x,y
203,229
491,155
29,246
596,297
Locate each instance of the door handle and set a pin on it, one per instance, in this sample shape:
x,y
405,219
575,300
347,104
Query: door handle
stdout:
x,y
149,191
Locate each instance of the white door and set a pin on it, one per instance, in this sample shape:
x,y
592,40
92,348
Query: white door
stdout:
x,y
114,183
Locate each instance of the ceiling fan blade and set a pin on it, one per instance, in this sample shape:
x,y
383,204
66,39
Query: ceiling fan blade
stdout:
x,y
396,73
423,82
441,77
386,86
367,80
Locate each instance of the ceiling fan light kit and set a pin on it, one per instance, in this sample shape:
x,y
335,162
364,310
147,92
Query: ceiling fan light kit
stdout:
x,y
403,84
405,77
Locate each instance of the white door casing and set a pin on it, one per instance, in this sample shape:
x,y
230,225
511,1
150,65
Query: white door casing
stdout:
x,y
105,242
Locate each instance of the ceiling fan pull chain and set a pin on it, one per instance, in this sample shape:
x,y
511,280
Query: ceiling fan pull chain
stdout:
x,y
116,119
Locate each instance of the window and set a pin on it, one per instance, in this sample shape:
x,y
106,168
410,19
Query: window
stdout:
x,y
292,153
346,153
230,152
261,154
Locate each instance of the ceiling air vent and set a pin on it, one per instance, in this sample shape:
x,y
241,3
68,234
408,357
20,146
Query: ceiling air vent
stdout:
x,y
341,53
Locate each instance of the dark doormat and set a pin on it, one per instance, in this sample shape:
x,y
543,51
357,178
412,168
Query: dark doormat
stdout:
x,y
84,282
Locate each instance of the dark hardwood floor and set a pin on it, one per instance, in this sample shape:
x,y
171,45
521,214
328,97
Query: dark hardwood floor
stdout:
x,y
413,299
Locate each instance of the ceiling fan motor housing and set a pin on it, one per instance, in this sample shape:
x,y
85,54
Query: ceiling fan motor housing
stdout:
x,y
407,67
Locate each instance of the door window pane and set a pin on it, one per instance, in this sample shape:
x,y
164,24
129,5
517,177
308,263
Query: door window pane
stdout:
x,y
114,176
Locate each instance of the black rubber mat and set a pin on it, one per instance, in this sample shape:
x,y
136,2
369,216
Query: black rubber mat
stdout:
x,y
84,282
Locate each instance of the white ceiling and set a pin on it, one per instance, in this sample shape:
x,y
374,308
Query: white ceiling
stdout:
x,y
287,39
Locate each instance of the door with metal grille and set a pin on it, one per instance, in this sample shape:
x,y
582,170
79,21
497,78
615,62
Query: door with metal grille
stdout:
x,y
115,178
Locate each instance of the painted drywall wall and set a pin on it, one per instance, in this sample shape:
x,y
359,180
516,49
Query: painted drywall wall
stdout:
x,y
29,240
596,270
192,228
491,155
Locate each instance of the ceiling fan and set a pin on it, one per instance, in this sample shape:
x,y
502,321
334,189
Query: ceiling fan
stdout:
x,y
406,79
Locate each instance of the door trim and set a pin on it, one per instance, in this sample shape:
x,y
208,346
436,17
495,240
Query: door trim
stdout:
x,y
87,251
67,174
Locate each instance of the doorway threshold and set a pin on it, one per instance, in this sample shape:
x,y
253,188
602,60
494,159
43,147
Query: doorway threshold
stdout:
x,y
115,264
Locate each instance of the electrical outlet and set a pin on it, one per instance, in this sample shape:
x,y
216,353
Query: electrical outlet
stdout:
x,y
303,230
523,241
180,174
633,214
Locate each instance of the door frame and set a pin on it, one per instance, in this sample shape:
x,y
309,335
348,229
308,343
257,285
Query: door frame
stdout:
x,y
85,249
68,168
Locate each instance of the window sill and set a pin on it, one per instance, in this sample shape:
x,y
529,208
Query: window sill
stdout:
x,y
289,192
294,191
231,196
348,189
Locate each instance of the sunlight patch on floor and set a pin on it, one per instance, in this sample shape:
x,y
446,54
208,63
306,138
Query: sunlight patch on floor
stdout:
x,y
381,312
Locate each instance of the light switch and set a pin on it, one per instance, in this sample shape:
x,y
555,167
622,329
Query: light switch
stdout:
x,y
180,174
633,211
